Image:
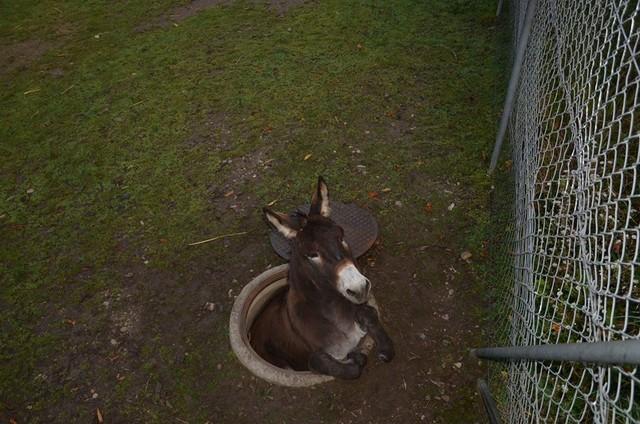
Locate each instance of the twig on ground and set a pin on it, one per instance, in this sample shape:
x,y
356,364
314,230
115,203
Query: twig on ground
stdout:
x,y
218,238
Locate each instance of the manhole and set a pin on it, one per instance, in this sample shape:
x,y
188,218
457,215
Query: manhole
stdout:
x,y
360,229
253,297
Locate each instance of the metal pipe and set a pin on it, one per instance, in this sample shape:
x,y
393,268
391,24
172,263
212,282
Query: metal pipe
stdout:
x,y
605,353
513,82
488,402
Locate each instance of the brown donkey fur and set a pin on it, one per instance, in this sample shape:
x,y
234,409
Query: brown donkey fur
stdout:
x,y
318,321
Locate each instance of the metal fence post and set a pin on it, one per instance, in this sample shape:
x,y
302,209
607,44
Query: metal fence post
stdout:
x,y
604,353
488,402
513,82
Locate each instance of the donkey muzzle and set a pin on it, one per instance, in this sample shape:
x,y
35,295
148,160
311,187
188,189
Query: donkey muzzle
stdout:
x,y
353,285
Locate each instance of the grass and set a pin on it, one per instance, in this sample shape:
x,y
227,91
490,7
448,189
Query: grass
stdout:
x,y
96,144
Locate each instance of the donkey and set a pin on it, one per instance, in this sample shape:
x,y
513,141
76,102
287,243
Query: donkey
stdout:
x,y
318,321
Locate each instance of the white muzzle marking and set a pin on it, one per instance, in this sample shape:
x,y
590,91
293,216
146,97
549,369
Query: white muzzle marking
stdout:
x,y
352,284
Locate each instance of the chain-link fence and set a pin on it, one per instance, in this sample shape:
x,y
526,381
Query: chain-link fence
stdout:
x,y
572,273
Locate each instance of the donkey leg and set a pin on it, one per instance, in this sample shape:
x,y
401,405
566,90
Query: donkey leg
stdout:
x,y
323,363
367,318
358,357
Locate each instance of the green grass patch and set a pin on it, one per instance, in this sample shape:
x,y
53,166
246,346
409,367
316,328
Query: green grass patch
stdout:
x,y
96,141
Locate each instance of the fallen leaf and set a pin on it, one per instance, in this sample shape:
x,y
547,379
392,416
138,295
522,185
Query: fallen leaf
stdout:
x,y
555,327
273,202
428,208
30,191
386,190
373,195
308,156
617,246
451,206
267,130
229,193
359,46
71,322
164,240
99,418
466,255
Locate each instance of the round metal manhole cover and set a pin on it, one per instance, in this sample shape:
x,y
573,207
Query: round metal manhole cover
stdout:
x,y
360,229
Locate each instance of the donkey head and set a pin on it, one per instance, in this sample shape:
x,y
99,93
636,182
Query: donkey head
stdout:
x,y
319,249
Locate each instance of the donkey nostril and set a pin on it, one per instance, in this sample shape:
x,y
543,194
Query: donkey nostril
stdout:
x,y
351,292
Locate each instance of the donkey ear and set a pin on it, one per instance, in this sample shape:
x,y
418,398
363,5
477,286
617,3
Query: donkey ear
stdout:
x,y
280,222
320,201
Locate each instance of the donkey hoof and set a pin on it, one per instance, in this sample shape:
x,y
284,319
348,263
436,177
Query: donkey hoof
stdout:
x,y
387,354
359,358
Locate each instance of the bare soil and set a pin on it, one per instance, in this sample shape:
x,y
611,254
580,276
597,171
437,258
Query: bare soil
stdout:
x,y
429,307
180,13
423,298
18,56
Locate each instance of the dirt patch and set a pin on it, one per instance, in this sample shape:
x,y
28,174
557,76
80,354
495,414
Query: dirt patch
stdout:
x,y
214,134
180,13
163,327
127,321
401,122
424,296
18,56
281,7
183,12
56,72
239,172
217,136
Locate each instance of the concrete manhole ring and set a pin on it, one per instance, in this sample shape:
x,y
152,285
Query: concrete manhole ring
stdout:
x,y
253,297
